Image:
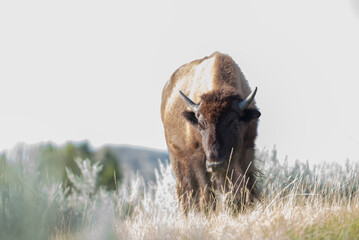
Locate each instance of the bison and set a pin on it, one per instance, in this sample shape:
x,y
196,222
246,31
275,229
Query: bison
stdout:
x,y
210,122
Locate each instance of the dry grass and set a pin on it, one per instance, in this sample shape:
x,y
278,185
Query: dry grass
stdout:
x,y
298,202
294,216
287,212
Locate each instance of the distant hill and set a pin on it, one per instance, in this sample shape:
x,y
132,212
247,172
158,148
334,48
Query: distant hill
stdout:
x,y
134,159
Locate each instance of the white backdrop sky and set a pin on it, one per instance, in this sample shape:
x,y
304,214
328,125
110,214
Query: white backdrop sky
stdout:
x,y
74,70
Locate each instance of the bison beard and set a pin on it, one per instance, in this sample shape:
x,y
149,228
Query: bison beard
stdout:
x,y
211,143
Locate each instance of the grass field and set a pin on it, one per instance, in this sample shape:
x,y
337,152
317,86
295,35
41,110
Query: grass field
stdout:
x,y
299,201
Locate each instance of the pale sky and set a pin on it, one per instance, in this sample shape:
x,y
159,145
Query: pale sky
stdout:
x,y
75,70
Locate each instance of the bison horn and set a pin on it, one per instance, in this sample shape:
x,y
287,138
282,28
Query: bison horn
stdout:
x,y
245,103
189,102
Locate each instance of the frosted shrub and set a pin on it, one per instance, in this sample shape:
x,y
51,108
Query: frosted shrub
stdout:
x,y
165,189
86,203
156,198
84,185
161,197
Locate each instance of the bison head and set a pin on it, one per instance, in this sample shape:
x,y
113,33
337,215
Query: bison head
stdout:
x,y
221,117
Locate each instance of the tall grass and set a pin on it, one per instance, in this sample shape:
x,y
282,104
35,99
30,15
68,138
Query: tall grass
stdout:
x,y
298,202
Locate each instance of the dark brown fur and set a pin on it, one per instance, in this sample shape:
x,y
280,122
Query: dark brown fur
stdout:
x,y
214,104
219,130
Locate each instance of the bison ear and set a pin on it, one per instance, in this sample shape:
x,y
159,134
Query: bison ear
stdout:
x,y
191,117
250,114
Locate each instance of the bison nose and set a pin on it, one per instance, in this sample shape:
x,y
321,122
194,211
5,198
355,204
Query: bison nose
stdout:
x,y
215,166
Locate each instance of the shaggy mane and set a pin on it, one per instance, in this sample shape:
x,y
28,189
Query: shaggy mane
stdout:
x,y
217,102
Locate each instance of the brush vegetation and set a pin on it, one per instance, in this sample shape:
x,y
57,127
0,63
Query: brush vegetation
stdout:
x,y
299,201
